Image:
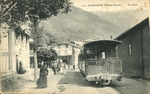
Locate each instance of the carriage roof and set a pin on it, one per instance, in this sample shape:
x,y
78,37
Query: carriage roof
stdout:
x,y
104,42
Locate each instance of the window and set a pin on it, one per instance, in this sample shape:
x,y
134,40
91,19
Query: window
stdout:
x,y
66,45
103,55
58,52
66,52
129,47
90,51
59,46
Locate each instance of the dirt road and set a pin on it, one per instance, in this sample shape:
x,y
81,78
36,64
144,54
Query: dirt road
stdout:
x,y
72,82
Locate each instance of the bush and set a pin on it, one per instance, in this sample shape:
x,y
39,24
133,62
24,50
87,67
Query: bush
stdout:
x,y
12,83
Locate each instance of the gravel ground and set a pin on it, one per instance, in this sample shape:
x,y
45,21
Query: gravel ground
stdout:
x,y
132,85
72,84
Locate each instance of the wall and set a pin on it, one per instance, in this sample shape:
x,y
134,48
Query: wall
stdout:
x,y
146,49
4,49
76,53
13,43
131,56
135,50
22,49
62,48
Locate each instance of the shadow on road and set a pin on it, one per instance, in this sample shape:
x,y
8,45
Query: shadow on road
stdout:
x,y
75,78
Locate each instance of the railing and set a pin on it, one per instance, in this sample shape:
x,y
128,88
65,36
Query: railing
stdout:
x,y
115,66
111,66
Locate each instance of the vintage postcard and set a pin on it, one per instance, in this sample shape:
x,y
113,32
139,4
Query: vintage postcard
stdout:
x,y
75,46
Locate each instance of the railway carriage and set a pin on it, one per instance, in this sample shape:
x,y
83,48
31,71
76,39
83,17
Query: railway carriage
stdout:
x,y
98,61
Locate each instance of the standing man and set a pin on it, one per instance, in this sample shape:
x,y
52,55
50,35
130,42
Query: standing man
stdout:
x,y
54,67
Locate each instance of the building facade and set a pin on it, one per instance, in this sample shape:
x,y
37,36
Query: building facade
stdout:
x,y
76,46
15,48
22,46
68,52
64,51
135,50
4,51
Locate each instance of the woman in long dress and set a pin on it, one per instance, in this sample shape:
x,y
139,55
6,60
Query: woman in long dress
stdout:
x,y
61,67
42,81
21,68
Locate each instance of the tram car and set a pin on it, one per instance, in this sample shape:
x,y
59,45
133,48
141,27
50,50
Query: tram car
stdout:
x,y
98,61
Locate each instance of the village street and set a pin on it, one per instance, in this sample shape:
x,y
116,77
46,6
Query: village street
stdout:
x,y
72,82
104,39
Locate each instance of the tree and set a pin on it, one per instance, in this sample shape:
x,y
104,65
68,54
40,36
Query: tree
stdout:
x,y
18,12
50,39
33,10
46,54
39,39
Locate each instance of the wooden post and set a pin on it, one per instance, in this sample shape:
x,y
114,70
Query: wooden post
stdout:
x,y
35,67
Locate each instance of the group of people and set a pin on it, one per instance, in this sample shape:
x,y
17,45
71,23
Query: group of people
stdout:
x,y
58,66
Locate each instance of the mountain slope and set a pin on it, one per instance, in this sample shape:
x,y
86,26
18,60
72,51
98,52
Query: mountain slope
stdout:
x,y
124,19
80,25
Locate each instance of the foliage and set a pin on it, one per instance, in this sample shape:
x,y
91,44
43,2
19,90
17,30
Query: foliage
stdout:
x,y
43,38
31,12
50,39
38,36
13,83
46,54
16,11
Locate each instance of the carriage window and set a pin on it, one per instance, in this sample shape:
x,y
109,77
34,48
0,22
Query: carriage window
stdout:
x,y
129,49
90,52
103,55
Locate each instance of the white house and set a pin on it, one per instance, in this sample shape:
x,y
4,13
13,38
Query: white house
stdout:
x,y
14,47
64,51
68,52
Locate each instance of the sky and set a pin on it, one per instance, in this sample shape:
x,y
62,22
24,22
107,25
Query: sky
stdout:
x,y
111,5
122,18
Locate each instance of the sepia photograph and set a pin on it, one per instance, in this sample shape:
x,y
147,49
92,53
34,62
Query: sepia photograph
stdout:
x,y
74,47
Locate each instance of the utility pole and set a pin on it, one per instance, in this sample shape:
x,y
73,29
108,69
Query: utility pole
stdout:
x,y
35,67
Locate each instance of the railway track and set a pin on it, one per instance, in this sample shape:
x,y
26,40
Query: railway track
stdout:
x,y
106,89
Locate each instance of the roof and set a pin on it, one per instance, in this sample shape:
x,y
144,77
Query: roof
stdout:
x,y
104,41
63,43
67,43
131,30
79,43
